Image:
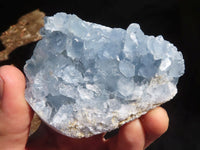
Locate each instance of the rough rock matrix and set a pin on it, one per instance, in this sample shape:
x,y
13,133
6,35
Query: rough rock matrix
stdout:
x,y
84,78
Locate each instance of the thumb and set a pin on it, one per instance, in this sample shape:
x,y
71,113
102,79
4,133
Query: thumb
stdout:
x,y
15,114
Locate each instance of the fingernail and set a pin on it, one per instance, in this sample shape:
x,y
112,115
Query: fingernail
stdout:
x,y
1,88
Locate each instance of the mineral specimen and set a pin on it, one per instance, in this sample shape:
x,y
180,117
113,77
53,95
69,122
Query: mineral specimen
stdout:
x,y
85,79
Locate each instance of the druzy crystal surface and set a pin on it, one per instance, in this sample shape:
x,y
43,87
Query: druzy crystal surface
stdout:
x,y
84,78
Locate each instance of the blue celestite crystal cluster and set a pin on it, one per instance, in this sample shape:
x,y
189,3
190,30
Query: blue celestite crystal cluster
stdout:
x,y
84,78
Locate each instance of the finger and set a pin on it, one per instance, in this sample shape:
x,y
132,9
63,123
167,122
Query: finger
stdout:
x,y
155,123
130,137
95,142
42,139
15,114
47,138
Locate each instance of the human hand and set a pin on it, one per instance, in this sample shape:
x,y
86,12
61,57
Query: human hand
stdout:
x,y
16,116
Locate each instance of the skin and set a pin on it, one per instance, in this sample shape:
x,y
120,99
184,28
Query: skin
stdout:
x,y
16,116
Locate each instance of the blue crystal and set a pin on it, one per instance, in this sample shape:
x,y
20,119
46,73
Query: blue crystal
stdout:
x,y
84,78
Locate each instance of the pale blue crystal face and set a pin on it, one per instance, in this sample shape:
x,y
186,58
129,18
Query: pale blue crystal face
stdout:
x,y
85,78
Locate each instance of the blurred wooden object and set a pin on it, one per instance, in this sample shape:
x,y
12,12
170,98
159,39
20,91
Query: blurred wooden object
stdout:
x,y
24,32
35,124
